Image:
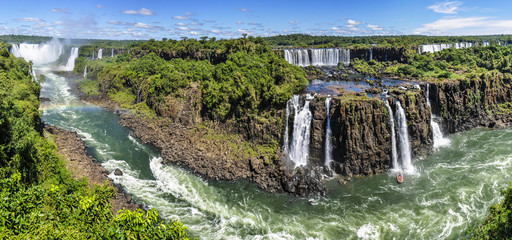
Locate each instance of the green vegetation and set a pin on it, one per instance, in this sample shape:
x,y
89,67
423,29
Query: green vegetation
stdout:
x,y
237,78
498,225
39,199
304,40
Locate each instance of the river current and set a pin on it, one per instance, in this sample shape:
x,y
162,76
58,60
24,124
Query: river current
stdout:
x,y
449,191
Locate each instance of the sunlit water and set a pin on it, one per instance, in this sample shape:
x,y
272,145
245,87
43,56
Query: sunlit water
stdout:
x,y
450,190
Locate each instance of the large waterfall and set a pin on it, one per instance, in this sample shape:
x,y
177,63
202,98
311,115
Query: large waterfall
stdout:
x,y
299,146
394,155
85,72
403,137
328,133
298,57
432,48
319,56
112,55
290,106
38,53
329,56
437,134
71,60
100,53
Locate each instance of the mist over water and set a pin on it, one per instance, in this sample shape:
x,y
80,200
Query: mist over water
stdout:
x,y
450,190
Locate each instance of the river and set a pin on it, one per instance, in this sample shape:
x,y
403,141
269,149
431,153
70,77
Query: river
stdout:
x,y
449,191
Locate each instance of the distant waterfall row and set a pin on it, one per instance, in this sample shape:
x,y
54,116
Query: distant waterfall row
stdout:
x,y
432,48
317,57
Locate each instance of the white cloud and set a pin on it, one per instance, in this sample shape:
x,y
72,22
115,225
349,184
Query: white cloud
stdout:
x,y
181,17
197,23
467,26
190,13
99,6
60,10
374,27
446,7
243,9
180,24
239,22
215,31
293,22
193,33
182,28
142,11
29,19
143,25
353,22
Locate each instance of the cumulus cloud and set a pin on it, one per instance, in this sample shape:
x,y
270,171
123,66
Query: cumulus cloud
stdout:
x,y
467,26
29,19
197,23
181,17
142,11
243,9
354,22
60,10
374,27
180,24
445,7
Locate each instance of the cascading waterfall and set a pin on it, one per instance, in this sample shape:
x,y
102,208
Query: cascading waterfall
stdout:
x,y
298,57
290,106
329,56
437,134
328,134
394,155
403,137
92,55
38,53
33,73
112,53
100,53
299,149
85,72
371,54
71,60
432,48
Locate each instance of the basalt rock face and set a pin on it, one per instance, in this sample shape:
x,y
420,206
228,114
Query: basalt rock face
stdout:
x,y
360,136
418,121
361,132
481,102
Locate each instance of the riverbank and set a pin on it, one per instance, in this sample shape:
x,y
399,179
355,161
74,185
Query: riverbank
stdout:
x,y
81,165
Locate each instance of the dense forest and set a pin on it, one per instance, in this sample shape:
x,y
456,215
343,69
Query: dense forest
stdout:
x,y
40,199
237,78
304,40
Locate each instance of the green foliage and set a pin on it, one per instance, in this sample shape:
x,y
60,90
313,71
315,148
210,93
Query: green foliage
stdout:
x,y
39,199
498,225
236,77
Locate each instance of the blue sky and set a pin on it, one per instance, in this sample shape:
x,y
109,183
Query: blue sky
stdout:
x,y
111,19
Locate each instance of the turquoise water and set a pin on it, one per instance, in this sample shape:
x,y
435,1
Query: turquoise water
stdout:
x,y
448,192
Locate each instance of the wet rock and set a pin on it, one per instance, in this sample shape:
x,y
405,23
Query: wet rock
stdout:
x,y
118,172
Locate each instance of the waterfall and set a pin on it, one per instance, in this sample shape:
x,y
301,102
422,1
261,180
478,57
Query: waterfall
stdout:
x,y
85,72
371,54
100,53
298,57
138,94
39,54
71,60
92,55
319,56
386,57
437,134
328,133
290,106
403,137
394,154
432,48
112,56
34,76
299,149
329,56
